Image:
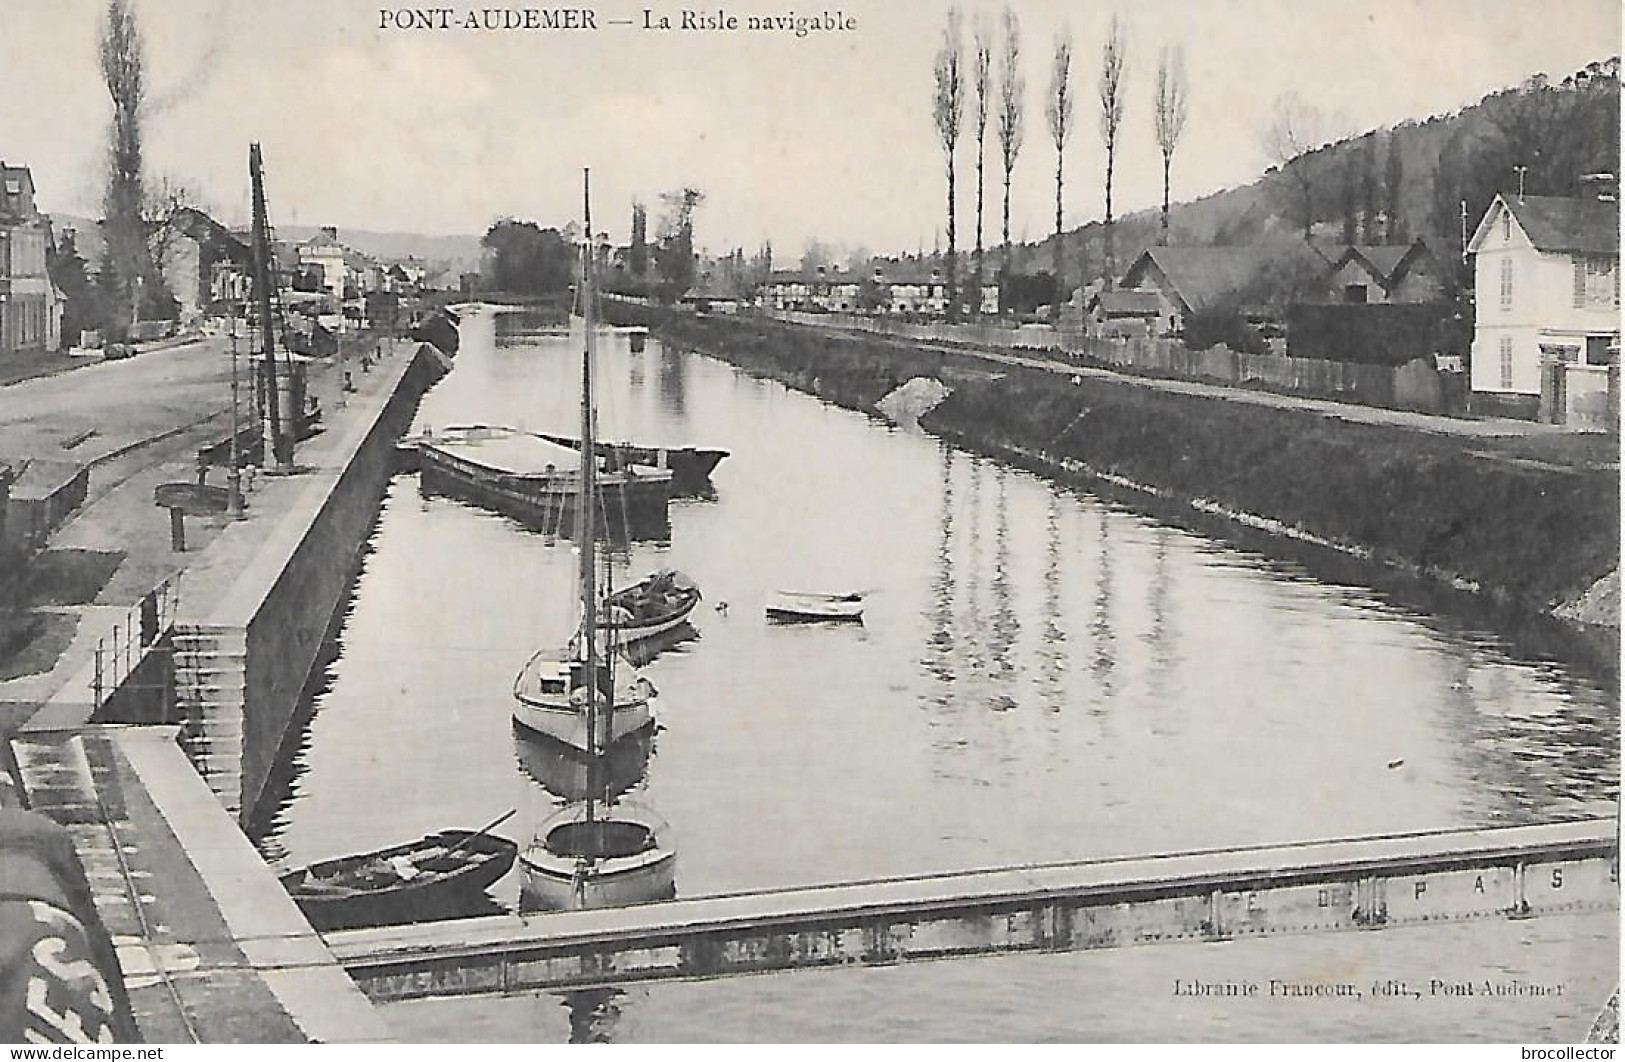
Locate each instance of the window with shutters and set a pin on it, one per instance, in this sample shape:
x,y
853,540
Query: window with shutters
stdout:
x,y
1506,283
1599,282
1596,283
1506,362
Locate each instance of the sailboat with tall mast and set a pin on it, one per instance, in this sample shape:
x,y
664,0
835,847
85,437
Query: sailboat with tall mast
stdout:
x,y
594,852
554,690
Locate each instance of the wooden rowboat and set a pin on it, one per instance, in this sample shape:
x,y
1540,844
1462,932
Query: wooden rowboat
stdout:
x,y
438,876
791,606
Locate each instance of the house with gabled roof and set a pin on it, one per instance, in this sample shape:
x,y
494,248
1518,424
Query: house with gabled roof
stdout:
x,y
1382,273
1123,312
1187,280
712,294
1546,284
202,261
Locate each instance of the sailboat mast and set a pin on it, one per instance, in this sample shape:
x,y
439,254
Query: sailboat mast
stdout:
x,y
586,503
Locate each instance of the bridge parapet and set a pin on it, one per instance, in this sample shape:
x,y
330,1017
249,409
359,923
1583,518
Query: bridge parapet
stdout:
x,y
1363,883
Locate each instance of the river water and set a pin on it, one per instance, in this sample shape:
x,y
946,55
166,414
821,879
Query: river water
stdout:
x,y
1040,675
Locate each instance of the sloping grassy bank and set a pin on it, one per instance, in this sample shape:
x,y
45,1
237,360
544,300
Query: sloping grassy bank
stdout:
x,y
1521,534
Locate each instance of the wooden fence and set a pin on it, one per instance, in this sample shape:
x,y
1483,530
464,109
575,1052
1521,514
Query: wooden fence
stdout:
x,y
1414,386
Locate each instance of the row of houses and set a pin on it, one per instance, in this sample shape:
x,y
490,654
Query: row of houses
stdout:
x,y
905,289
1166,285
205,265
908,289
1546,283
1192,278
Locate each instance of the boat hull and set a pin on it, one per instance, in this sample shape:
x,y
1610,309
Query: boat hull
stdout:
x,y
567,723
426,898
671,610
792,607
785,615
690,466
632,861
554,889
633,634
548,501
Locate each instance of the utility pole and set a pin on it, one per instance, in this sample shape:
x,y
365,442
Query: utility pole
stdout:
x,y
234,490
280,449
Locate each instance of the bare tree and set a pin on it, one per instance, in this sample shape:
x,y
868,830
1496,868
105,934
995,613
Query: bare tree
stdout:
x,y
163,210
1113,60
1058,110
120,51
1173,91
1012,95
948,108
982,79
1297,128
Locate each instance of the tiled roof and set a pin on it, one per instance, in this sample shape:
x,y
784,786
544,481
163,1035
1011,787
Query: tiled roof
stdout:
x,y
1558,223
715,289
1384,258
1202,276
1126,302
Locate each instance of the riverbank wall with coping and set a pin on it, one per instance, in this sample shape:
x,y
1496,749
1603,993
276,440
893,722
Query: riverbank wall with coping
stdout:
x,y
244,651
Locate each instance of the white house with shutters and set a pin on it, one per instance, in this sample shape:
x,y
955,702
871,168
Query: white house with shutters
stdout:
x,y
1546,283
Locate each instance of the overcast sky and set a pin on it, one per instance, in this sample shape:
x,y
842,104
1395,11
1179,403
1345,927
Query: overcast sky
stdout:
x,y
828,135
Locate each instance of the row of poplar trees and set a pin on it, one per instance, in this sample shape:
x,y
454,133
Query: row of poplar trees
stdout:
x,y
1003,102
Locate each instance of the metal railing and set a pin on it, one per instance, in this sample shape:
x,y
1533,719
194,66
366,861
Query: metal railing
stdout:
x,y
120,652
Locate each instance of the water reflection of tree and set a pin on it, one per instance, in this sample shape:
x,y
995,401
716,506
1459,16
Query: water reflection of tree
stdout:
x,y
672,380
1102,633
1006,628
937,660
1163,637
1052,648
972,619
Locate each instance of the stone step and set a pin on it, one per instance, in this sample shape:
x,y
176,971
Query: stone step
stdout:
x,y
230,650
229,640
211,679
227,656
224,703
